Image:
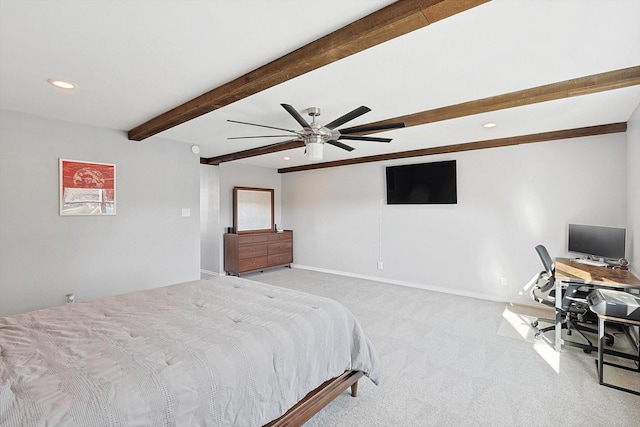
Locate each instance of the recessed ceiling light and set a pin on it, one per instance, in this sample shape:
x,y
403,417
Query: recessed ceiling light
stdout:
x,y
286,158
489,125
62,84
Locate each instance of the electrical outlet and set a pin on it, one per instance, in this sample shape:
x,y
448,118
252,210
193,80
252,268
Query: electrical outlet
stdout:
x,y
503,281
380,265
69,299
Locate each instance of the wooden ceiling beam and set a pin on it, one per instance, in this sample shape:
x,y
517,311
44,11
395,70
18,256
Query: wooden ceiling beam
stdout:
x,y
470,146
397,19
566,89
252,152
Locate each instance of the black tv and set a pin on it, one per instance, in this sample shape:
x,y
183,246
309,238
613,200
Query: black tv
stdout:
x,y
423,183
596,241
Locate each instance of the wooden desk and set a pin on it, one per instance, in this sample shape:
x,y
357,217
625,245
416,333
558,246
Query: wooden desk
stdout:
x,y
568,270
571,273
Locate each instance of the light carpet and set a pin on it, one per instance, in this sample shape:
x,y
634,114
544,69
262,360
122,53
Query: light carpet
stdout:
x,y
449,360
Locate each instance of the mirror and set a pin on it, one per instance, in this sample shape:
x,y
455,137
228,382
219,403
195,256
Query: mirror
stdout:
x,y
252,209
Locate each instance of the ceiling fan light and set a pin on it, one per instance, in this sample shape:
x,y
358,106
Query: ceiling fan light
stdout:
x,y
314,150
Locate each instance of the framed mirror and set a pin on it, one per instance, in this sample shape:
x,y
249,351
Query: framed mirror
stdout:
x,y
253,209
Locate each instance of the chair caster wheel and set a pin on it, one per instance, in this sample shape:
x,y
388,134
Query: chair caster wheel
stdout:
x,y
534,323
608,341
587,351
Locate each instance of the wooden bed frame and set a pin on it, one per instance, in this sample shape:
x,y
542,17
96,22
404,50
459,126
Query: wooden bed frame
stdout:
x,y
318,399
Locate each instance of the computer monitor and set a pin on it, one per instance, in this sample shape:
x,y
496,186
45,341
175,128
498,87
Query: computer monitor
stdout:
x,y
598,242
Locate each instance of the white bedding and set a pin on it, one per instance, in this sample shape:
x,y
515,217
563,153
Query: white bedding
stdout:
x,y
225,351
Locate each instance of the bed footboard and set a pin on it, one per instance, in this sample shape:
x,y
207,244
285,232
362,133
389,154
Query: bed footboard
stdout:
x,y
318,399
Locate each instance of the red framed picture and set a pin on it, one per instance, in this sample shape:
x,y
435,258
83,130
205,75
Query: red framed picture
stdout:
x,y
87,188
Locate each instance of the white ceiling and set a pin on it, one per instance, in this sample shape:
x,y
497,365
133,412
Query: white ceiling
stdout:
x,y
135,59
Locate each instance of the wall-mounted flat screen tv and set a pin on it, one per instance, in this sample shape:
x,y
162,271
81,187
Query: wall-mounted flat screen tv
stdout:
x,y
424,183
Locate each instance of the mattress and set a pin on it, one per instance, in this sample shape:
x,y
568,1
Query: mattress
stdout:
x,y
221,352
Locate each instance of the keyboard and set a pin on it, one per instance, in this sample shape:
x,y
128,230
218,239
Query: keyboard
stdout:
x,y
590,262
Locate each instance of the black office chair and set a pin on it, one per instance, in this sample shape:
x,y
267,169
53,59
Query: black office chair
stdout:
x,y
574,307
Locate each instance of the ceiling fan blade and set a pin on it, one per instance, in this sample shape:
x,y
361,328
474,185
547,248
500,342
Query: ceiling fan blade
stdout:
x,y
364,138
262,126
369,128
347,117
340,145
260,136
295,115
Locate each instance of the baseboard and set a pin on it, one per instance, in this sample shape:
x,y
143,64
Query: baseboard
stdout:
x,y
414,285
210,273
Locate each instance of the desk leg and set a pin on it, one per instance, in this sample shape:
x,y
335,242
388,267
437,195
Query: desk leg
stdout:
x,y
558,338
600,348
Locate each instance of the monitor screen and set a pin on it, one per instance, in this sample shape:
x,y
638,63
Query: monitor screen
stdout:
x,y
424,183
602,242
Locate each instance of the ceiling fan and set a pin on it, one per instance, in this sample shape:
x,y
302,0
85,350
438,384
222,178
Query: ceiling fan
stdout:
x,y
315,135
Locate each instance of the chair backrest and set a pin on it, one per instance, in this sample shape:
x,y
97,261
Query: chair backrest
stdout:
x,y
569,300
545,282
547,261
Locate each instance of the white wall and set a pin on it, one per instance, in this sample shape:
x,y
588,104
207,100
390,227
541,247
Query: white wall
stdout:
x,y
509,200
633,191
210,230
147,244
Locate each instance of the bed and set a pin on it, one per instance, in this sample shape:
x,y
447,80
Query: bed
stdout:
x,y
224,351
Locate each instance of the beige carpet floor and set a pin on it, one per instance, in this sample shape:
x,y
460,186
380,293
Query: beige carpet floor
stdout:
x,y
448,360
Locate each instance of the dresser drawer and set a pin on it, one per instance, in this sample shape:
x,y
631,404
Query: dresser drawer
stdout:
x,y
252,263
280,259
278,247
250,251
285,235
252,238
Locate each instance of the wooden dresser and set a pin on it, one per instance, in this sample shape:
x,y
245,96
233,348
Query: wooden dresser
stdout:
x,y
257,251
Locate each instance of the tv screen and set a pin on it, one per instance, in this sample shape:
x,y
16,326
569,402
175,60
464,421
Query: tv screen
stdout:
x,y
424,183
602,242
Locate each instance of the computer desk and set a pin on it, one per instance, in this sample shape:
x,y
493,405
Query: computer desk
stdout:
x,y
568,271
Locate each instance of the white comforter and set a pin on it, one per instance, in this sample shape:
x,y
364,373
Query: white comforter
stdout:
x,y
226,351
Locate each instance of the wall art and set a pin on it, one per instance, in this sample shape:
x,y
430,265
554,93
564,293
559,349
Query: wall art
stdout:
x,y
87,188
